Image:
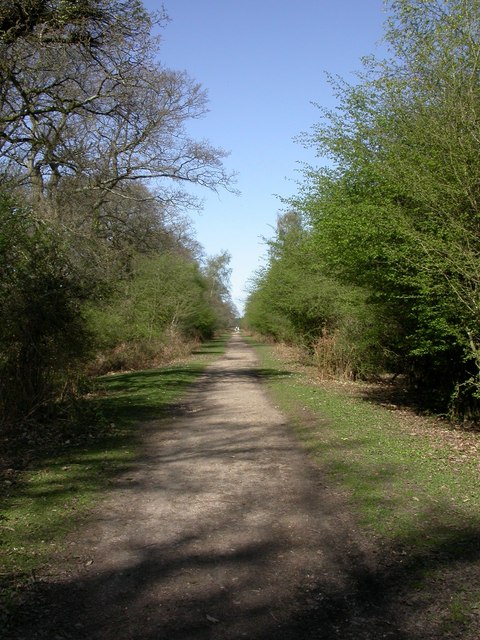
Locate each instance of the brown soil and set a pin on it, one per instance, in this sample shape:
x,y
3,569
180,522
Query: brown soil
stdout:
x,y
224,530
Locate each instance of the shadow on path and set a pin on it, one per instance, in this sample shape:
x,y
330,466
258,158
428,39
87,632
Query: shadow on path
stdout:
x,y
225,530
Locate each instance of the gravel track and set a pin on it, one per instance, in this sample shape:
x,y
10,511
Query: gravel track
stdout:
x,y
223,530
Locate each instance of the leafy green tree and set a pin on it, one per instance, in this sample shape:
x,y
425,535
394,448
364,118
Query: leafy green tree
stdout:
x,y
398,213
167,301
294,298
88,120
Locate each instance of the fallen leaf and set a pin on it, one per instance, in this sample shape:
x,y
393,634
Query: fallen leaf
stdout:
x,y
211,618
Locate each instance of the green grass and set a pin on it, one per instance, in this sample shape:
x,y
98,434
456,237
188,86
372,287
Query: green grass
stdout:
x,y
42,504
401,487
418,497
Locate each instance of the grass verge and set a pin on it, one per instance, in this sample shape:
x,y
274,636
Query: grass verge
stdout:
x,y
414,491
40,505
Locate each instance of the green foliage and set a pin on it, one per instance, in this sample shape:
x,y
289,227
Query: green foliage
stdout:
x,y
42,333
217,274
87,117
297,300
166,301
397,214
289,290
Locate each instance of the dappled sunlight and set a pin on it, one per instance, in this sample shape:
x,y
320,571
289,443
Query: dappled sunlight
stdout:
x,y
224,528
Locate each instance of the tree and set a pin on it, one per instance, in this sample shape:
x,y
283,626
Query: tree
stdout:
x,y
43,336
398,213
87,21
93,144
167,300
83,103
217,273
294,298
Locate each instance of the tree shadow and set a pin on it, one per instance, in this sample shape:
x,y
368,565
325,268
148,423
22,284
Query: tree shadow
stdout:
x,y
395,393
243,567
205,580
352,602
214,346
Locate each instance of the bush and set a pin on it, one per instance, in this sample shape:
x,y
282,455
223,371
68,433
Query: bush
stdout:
x,y
43,338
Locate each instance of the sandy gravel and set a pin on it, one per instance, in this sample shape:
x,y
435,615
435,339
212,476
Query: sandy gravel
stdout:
x,y
224,530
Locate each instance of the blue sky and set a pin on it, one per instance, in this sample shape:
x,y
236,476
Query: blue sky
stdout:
x,y
263,63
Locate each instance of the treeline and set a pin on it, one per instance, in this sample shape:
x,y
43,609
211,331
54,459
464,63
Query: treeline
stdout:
x,y
375,265
98,267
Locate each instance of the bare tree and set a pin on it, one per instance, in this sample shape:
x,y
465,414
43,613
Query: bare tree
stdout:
x,y
84,105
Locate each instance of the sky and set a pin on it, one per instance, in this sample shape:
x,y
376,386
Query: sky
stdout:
x,y
264,64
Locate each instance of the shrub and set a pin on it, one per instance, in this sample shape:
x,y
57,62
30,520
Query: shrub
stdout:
x,y
43,338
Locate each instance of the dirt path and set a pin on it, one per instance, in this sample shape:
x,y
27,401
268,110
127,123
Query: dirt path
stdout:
x,y
224,530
